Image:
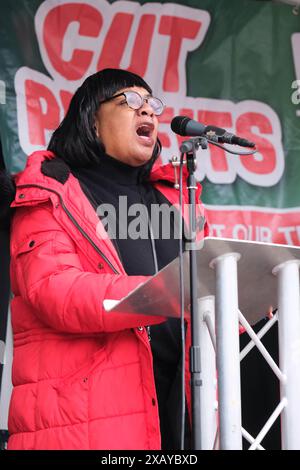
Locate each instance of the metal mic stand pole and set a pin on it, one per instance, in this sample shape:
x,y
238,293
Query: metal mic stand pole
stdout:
x,y
189,148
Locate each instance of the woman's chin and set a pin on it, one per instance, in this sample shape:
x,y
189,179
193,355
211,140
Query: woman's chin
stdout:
x,y
139,160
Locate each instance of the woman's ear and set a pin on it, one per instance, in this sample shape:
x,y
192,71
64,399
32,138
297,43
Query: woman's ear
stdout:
x,y
96,130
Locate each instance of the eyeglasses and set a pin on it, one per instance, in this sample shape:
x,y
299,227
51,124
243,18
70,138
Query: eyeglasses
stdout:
x,y
135,101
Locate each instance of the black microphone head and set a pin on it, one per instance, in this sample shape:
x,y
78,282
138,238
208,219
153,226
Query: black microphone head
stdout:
x,y
186,126
179,123
216,130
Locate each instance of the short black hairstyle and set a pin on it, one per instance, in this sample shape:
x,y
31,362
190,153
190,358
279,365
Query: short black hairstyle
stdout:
x,y
75,140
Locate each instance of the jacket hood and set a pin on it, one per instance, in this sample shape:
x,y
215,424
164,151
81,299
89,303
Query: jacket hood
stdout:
x,y
7,195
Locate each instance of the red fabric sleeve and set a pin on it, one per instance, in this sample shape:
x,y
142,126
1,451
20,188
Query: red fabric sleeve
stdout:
x,y
48,274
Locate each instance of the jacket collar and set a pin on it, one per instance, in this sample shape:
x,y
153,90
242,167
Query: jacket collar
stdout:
x,y
44,169
32,173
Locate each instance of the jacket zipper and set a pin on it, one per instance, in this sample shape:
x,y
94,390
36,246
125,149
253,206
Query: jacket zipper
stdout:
x,y
74,221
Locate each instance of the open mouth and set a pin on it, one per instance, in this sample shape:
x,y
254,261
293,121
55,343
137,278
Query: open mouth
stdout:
x,y
145,134
144,131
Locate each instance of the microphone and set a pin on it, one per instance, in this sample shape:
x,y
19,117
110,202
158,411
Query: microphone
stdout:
x,y
185,126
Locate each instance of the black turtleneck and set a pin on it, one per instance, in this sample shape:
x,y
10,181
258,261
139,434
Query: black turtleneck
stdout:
x,y
103,184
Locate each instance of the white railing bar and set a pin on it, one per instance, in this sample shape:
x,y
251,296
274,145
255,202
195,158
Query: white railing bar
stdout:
x,y
210,328
269,423
250,439
216,442
262,349
260,334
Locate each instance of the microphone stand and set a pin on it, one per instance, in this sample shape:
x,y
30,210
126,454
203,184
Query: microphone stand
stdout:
x,y
189,148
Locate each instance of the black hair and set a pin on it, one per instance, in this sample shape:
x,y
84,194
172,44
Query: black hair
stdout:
x,y
7,195
75,140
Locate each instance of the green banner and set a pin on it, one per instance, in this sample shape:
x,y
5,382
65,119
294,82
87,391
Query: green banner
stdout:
x,y
234,64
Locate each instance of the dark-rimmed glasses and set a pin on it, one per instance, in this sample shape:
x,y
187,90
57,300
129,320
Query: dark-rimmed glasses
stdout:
x,y
135,101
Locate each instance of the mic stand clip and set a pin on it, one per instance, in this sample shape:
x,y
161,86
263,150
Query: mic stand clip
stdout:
x,y
193,144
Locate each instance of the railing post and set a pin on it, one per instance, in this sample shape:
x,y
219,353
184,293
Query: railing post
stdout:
x,y
289,350
228,360
208,402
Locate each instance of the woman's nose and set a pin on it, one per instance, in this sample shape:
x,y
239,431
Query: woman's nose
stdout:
x,y
146,109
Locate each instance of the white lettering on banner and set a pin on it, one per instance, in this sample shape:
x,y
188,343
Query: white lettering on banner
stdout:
x,y
153,40
288,233
296,52
248,232
2,92
263,224
296,55
216,230
243,232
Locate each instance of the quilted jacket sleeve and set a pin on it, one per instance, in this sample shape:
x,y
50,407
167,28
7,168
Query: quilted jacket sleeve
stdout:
x,y
47,273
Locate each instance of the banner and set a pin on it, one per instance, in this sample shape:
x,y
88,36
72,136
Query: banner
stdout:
x,y
232,64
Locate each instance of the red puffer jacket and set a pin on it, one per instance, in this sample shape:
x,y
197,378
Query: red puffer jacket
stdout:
x,y
83,378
